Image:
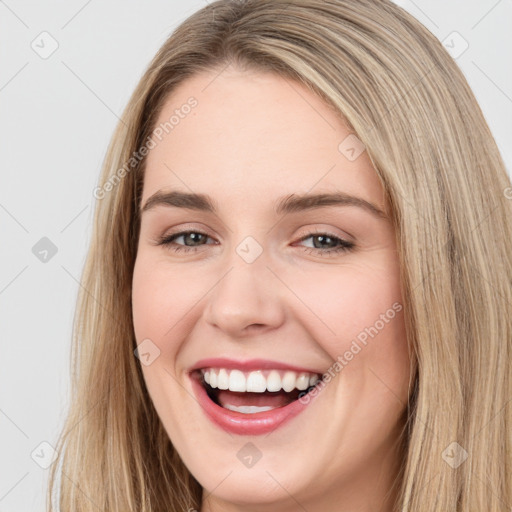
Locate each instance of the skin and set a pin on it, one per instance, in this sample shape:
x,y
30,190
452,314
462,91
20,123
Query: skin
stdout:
x,y
252,138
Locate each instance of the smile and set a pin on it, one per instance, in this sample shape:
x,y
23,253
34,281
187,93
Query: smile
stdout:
x,y
253,401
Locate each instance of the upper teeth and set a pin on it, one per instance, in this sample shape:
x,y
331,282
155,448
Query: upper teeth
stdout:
x,y
258,381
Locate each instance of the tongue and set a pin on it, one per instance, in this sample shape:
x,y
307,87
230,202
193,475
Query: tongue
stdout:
x,y
268,399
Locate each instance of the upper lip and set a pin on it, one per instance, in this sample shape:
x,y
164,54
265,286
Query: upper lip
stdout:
x,y
248,365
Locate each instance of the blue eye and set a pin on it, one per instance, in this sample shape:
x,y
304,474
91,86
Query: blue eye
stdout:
x,y
332,244
340,245
169,241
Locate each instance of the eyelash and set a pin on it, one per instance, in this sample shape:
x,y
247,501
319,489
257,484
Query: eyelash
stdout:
x,y
344,247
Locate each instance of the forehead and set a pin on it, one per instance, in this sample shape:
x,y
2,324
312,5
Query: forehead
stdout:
x,y
250,132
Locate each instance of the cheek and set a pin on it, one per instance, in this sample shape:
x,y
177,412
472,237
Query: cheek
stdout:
x,y
356,314
163,297
346,301
163,305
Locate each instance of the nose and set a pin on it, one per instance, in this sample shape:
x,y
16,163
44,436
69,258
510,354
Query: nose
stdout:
x,y
247,298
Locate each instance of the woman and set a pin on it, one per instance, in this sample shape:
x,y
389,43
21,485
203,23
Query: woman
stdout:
x,y
368,371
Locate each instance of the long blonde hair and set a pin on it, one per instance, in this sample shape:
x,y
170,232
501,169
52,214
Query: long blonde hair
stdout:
x,y
410,105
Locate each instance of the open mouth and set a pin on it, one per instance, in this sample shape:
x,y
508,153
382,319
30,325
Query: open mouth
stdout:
x,y
255,392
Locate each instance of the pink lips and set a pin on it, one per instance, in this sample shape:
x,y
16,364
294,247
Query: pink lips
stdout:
x,y
252,364
236,422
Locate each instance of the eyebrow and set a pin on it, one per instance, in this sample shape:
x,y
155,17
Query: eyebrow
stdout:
x,y
287,204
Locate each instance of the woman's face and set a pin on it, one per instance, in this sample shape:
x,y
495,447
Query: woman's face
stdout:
x,y
267,290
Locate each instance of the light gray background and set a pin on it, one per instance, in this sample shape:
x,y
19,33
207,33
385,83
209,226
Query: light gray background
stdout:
x,y
57,116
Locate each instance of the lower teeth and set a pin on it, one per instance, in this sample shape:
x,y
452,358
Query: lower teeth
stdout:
x,y
247,409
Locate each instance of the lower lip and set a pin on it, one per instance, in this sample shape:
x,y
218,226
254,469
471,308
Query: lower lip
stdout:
x,y
247,424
